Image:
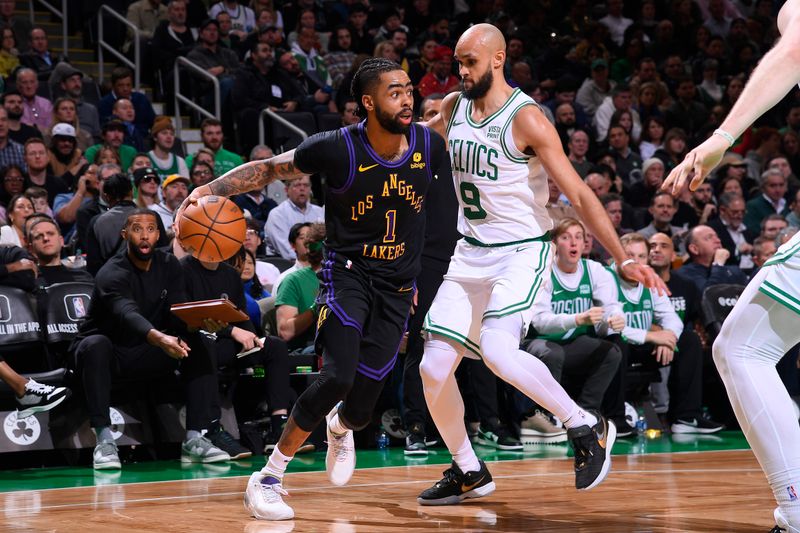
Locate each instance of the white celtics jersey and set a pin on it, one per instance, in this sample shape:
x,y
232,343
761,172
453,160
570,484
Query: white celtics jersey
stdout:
x,y
498,206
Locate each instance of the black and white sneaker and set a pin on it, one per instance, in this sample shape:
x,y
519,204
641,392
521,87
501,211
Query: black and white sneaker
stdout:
x,y
696,425
39,397
592,447
225,442
456,486
415,442
498,436
624,429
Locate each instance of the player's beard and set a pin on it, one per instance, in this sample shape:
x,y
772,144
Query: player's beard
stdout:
x,y
391,123
139,254
480,87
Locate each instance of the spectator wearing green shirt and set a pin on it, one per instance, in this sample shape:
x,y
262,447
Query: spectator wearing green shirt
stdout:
x,y
297,296
113,135
211,134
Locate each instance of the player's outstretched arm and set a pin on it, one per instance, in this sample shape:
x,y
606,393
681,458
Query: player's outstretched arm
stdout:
x,y
532,128
250,176
774,76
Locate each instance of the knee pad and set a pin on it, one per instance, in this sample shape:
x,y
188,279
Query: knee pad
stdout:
x,y
439,360
497,345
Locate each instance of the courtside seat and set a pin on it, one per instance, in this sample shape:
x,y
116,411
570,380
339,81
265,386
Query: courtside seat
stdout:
x,y
716,304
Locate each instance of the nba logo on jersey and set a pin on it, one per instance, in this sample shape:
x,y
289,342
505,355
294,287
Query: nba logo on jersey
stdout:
x,y
80,309
792,494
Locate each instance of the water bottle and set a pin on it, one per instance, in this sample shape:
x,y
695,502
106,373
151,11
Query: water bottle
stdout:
x,y
641,425
382,440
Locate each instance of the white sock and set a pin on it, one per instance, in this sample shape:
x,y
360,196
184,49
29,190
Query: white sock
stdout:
x,y
787,494
465,457
337,427
277,463
579,418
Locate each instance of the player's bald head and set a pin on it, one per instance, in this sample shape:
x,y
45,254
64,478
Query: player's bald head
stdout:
x,y
481,54
484,37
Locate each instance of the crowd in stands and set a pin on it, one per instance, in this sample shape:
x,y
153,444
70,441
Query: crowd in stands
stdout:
x,y
629,87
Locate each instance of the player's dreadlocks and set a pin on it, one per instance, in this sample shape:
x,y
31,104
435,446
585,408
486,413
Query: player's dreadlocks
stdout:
x,y
367,76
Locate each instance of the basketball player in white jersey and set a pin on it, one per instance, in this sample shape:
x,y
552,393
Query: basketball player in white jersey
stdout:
x,y
763,325
485,301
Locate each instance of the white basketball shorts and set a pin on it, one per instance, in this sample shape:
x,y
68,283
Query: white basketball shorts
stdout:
x,y
486,282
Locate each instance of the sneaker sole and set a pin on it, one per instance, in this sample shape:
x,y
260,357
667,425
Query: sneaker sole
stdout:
x,y
243,455
612,436
780,520
113,465
510,448
415,453
205,460
504,447
691,429
479,492
28,411
255,515
543,439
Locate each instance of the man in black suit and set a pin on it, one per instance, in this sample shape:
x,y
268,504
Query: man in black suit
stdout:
x,y
40,58
733,234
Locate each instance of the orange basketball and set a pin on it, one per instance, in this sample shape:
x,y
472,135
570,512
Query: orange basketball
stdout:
x,y
213,229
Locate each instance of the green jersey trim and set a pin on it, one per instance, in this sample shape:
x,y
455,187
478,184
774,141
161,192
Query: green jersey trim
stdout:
x,y
475,242
491,117
509,122
782,257
529,299
450,334
780,296
453,114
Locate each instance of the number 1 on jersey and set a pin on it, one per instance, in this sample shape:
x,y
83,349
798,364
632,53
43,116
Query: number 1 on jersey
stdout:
x,y
471,197
391,220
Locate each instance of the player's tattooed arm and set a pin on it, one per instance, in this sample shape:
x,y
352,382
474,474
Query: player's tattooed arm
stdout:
x,y
248,177
256,175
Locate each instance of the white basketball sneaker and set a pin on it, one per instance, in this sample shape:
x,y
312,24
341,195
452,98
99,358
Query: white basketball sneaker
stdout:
x,y
340,461
264,498
782,524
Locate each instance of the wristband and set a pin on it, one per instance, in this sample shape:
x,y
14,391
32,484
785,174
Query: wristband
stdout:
x,y
625,263
725,135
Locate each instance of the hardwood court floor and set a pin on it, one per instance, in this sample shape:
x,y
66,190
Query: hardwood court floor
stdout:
x,y
711,492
